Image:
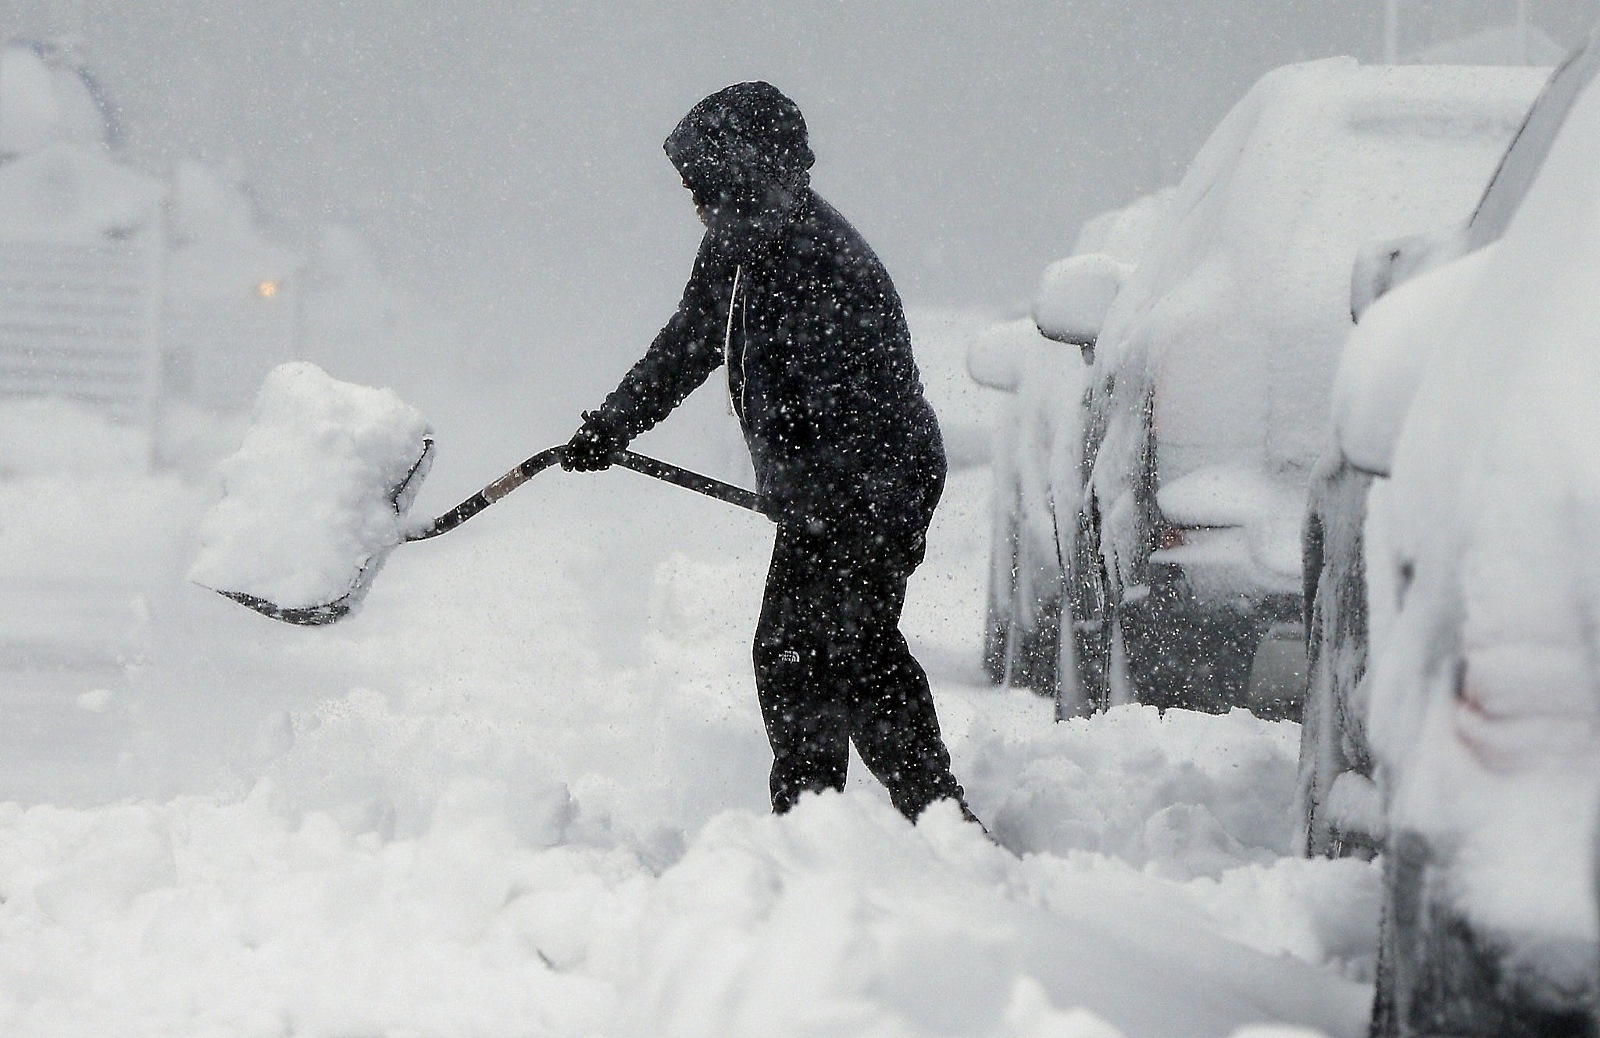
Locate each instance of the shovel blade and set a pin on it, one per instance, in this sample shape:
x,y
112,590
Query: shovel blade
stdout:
x,y
305,616
399,498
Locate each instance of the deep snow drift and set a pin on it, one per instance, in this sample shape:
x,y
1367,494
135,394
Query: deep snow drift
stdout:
x,y
523,792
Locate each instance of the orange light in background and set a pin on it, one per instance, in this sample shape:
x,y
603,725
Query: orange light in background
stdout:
x,y
267,289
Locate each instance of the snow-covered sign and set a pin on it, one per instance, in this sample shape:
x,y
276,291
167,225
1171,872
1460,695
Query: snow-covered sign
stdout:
x,y
81,242
108,295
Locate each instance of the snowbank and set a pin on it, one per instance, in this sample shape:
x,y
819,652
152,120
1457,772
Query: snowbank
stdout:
x,y
523,793
45,437
309,495
198,917
1181,794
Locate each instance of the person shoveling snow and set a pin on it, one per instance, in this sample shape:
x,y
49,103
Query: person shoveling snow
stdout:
x,y
847,451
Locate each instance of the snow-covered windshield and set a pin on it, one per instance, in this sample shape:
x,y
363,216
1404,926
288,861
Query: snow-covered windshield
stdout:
x,y
1527,152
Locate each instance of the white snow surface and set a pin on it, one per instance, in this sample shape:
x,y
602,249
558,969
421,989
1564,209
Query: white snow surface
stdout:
x,y
524,793
309,495
44,101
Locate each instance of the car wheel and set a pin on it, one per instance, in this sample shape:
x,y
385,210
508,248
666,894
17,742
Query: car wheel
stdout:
x,y
1318,761
1333,742
1084,663
1437,975
1023,614
1002,595
1325,740
1085,648
1035,635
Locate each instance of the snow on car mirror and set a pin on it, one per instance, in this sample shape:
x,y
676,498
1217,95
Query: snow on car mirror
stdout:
x,y
1372,276
1382,265
1384,358
994,359
1074,296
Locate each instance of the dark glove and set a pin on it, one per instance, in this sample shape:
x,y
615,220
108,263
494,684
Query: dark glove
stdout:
x,y
591,447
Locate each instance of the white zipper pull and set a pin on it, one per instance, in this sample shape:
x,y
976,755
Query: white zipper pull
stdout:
x,y
727,342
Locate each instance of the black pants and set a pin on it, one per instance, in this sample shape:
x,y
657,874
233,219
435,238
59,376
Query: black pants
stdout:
x,y
832,666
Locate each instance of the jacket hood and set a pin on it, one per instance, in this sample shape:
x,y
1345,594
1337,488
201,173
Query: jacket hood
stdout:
x,y
743,137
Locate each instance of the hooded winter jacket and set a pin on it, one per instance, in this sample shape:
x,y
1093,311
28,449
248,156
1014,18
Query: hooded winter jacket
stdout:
x,y
794,302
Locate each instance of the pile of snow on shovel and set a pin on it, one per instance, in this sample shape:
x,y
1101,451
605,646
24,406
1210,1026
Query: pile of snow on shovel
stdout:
x,y
308,497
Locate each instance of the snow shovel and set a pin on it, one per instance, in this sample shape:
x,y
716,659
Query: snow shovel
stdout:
x,y
399,498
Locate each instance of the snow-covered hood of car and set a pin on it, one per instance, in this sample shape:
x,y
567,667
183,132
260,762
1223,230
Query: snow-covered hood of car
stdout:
x,y
1239,315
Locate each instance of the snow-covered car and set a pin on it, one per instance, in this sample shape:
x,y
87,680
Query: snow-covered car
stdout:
x,y
1036,456
1208,399
1483,694
1338,804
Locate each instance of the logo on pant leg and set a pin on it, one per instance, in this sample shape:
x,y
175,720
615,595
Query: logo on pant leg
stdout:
x,y
789,656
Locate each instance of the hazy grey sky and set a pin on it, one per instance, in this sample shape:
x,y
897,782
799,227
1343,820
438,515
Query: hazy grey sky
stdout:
x,y
506,156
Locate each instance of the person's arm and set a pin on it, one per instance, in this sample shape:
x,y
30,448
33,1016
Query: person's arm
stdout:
x,y
683,353
686,350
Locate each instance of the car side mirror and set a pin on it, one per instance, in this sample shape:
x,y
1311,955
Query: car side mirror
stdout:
x,y
1074,297
994,360
1373,275
1382,265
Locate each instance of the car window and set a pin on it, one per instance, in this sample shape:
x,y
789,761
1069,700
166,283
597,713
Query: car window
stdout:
x,y
1531,144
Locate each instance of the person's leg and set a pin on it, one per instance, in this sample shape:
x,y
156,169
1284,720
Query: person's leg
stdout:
x,y
892,716
805,719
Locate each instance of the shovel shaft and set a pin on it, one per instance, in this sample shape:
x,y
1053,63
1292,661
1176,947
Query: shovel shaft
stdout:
x,y
662,470
670,473
342,606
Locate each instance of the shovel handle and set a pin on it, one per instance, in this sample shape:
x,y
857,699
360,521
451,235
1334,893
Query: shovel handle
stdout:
x,y
662,470
670,473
